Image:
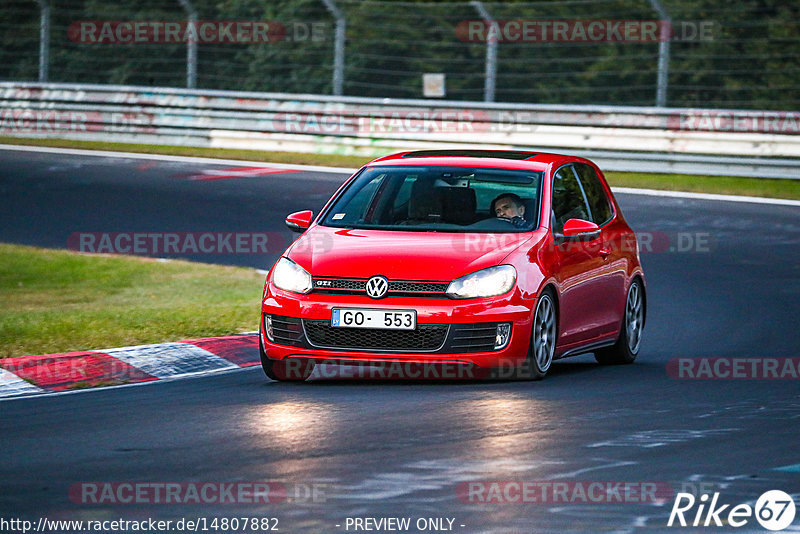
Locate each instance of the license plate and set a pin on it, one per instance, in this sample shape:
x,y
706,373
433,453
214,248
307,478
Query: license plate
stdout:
x,y
365,318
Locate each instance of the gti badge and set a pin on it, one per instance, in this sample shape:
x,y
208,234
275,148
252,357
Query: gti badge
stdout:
x,y
377,286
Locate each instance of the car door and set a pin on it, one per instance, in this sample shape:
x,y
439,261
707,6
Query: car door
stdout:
x,y
612,277
580,265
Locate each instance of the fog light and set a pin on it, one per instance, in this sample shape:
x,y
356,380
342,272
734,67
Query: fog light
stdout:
x,y
503,336
268,327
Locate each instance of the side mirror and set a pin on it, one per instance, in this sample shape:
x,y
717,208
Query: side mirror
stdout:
x,y
580,228
299,221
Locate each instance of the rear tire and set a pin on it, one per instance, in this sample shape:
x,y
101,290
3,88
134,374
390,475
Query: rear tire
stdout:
x,y
283,370
544,335
626,348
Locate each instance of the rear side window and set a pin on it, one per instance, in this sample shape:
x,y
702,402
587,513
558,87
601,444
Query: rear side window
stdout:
x,y
599,204
568,199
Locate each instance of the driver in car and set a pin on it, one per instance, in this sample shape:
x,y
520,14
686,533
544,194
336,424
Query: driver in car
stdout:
x,y
510,207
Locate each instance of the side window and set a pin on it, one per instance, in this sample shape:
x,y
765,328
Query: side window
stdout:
x,y
568,199
599,204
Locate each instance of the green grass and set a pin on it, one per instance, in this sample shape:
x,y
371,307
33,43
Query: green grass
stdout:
x,y
725,185
61,301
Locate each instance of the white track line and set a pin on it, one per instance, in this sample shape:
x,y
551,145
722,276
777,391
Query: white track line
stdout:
x,y
44,393
12,385
706,196
164,360
342,170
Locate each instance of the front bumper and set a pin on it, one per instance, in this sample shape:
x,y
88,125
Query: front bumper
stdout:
x,y
448,331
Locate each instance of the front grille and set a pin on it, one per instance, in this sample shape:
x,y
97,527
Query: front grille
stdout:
x,y
426,338
397,288
417,287
287,330
473,337
340,284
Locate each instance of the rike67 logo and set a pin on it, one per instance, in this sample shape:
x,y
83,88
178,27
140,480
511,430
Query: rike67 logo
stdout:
x,y
774,510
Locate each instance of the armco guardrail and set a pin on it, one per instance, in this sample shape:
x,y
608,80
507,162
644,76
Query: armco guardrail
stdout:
x,y
731,142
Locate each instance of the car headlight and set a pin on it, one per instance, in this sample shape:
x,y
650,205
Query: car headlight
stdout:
x,y
484,283
289,276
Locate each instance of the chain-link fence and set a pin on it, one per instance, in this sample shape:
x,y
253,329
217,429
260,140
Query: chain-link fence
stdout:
x,y
679,53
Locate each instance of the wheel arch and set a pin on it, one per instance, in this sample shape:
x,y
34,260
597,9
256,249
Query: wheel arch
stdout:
x,y
640,277
552,288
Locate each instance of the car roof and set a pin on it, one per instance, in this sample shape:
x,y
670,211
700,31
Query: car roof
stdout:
x,y
504,159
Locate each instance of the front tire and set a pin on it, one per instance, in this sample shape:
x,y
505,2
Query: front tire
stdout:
x,y
283,371
626,348
543,339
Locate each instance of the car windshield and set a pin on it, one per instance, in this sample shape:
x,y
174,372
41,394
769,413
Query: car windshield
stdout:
x,y
444,199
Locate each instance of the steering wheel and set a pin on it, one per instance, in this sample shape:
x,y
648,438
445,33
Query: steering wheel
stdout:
x,y
517,221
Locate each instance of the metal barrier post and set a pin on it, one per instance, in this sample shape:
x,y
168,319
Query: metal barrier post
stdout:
x,y
663,53
338,51
491,52
191,46
44,40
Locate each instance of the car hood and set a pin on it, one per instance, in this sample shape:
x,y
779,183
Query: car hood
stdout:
x,y
337,252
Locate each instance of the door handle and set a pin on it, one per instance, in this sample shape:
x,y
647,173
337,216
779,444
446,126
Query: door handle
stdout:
x,y
605,253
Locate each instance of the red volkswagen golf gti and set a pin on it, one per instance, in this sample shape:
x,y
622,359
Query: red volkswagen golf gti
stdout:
x,y
473,260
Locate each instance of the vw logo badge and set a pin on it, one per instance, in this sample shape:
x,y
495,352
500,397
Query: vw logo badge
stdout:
x,y
377,286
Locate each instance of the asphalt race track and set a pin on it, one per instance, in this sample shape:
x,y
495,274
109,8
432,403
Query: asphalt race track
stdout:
x,y
723,281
